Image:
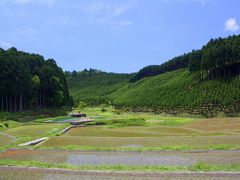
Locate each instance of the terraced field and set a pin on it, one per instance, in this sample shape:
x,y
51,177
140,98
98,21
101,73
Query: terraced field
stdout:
x,y
35,130
6,139
197,133
155,143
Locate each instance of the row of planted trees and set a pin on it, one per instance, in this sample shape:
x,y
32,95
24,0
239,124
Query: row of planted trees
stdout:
x,y
220,58
27,81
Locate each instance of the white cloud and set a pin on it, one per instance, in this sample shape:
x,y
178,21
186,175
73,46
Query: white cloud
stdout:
x,y
21,2
231,25
5,44
103,12
202,2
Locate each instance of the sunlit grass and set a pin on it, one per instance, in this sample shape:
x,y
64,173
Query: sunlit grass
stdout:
x,y
197,167
36,130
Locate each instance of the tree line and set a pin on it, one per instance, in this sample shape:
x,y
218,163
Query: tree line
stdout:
x,y
219,58
29,82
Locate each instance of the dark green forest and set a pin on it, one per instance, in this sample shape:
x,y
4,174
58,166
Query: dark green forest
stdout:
x,y
202,81
219,58
207,79
29,82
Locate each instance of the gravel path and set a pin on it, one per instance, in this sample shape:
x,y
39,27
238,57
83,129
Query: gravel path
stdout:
x,y
22,173
136,159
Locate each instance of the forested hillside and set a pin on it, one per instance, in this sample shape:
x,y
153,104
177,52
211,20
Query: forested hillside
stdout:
x,y
203,81
27,81
219,58
179,91
93,86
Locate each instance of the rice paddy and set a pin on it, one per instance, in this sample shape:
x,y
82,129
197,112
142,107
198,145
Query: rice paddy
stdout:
x,y
5,139
35,130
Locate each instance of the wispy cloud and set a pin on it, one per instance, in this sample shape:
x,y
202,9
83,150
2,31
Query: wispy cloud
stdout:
x,y
202,2
231,25
22,2
103,12
5,45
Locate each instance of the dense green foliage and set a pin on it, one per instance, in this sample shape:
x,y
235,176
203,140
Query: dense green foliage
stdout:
x,y
202,81
120,122
220,58
92,86
30,82
171,65
180,89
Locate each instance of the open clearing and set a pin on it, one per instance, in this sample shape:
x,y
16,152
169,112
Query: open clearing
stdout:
x,y
161,141
196,133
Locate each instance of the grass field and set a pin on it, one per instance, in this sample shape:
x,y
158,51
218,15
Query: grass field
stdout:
x,y
5,139
36,130
158,132
131,130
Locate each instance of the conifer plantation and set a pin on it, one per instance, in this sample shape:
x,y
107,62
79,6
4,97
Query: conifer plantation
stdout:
x,y
203,81
29,82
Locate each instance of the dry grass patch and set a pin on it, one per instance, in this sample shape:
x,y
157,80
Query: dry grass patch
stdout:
x,y
141,141
216,125
35,130
159,131
5,139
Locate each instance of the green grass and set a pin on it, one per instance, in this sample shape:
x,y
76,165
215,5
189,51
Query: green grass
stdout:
x,y
133,131
53,119
197,167
10,124
139,149
111,116
120,122
116,142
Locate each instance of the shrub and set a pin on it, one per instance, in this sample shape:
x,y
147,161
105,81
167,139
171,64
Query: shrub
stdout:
x,y
5,124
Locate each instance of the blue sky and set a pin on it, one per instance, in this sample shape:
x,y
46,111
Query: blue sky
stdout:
x,y
114,35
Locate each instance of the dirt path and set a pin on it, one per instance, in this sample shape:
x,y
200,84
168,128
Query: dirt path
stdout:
x,y
22,173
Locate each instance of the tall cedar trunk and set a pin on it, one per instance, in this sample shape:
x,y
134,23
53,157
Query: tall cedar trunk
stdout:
x,y
2,103
20,103
15,103
25,102
7,103
10,104
40,98
43,99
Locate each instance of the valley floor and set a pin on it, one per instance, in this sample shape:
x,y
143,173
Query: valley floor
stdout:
x,y
152,144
